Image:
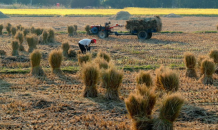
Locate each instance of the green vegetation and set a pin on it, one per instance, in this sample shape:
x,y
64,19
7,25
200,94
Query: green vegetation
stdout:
x,y
205,32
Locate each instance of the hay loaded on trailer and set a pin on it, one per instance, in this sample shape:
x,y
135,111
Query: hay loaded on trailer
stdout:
x,y
142,27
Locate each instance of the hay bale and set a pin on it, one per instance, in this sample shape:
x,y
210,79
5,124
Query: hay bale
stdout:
x,y
3,15
111,80
55,59
2,52
32,41
140,110
172,15
214,55
87,28
144,24
207,69
70,30
144,77
65,47
122,15
15,47
72,53
35,58
84,58
90,76
169,111
167,79
200,59
190,62
1,28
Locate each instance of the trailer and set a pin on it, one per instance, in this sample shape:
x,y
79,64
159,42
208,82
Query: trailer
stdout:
x,y
142,28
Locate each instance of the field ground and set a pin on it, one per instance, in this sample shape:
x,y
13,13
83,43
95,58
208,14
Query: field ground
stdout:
x,y
55,102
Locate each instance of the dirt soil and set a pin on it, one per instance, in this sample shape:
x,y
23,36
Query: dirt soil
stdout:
x,y
55,102
184,24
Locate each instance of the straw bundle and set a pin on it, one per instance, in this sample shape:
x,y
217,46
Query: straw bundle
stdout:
x,y
144,24
190,62
90,77
35,59
207,69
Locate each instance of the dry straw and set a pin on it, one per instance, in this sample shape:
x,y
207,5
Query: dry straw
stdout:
x,y
140,109
20,36
2,52
207,69
65,47
169,111
70,30
167,79
190,62
87,28
144,24
19,27
104,55
35,58
32,29
144,77
45,37
55,59
72,53
26,31
200,59
214,55
38,31
1,28
158,72
103,64
75,29
111,80
84,58
8,28
15,47
13,31
51,35
32,41
149,94
159,23
94,53
90,77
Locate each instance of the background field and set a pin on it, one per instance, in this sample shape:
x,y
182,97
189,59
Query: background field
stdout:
x,y
108,12
54,102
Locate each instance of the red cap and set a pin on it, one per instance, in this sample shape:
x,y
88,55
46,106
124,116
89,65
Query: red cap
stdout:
x,y
94,40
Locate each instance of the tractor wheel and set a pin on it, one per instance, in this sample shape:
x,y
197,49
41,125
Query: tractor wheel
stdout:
x,y
142,35
149,35
94,30
102,34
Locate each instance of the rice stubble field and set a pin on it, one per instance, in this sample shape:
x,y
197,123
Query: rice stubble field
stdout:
x,y
56,102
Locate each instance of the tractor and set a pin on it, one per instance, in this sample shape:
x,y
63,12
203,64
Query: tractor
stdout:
x,y
103,31
143,28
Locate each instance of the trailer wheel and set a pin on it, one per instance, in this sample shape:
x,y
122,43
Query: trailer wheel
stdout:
x,y
102,34
142,35
149,35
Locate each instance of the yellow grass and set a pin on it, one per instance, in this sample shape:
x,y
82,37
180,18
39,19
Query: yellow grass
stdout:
x,y
133,11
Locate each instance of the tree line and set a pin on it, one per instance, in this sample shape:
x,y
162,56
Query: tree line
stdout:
x,y
121,3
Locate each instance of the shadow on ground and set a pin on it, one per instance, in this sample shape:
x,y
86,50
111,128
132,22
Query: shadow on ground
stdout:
x,y
194,113
4,86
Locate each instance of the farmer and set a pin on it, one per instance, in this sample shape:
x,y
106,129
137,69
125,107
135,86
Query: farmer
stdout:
x,y
84,44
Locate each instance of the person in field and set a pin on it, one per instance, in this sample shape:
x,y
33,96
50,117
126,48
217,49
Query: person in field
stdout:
x,y
84,44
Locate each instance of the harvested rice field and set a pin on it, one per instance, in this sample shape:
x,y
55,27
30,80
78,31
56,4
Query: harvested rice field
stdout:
x,y
55,101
